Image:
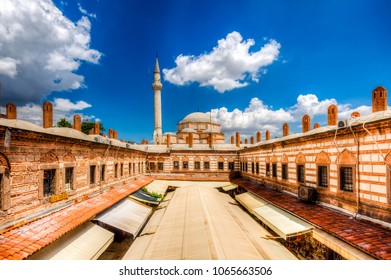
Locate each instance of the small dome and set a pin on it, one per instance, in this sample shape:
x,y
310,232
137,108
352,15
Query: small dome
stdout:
x,y
198,117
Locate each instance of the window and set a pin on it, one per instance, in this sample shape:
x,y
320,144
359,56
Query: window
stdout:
x,y
122,169
92,174
160,166
220,165
68,179
116,170
49,182
246,166
176,165
231,165
151,166
252,167
322,176
257,167
267,169
346,178
129,168
102,173
185,165
197,165
284,171
134,167
300,174
206,165
274,170
1,191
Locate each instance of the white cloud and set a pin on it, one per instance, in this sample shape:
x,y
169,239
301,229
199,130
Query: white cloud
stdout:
x,y
84,11
228,66
62,108
258,116
40,50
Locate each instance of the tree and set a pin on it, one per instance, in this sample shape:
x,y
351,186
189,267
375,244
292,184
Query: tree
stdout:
x,y
63,123
86,126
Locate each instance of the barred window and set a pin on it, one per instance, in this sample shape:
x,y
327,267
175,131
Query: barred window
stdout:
x,y
284,171
160,166
346,178
221,165
185,165
92,174
322,176
197,165
49,182
231,166
176,164
267,169
68,179
300,174
206,165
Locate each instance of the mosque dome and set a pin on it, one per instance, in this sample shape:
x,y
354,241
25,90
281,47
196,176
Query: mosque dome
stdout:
x,y
198,117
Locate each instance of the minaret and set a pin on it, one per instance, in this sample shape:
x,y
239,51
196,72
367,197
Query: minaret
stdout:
x,y
157,88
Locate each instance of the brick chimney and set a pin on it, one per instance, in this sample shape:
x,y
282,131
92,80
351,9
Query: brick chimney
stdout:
x,y
252,140
110,133
47,112
332,115
355,114
237,139
190,140
317,125
232,139
258,136
379,99
10,111
97,128
285,129
77,122
168,140
306,123
267,135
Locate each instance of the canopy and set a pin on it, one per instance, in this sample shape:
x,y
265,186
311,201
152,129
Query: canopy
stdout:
x,y
280,221
229,187
87,242
127,215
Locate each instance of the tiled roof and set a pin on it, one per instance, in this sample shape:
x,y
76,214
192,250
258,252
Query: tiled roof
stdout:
x,y
369,237
23,241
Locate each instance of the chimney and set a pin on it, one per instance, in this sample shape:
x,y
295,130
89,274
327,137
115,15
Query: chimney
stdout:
x,y
110,133
232,139
77,122
285,129
190,140
267,135
47,110
11,111
379,99
210,140
245,141
355,114
97,128
332,115
306,123
258,136
237,139
168,140
115,136
317,125
252,140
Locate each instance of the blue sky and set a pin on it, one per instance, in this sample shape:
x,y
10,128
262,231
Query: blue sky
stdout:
x,y
276,60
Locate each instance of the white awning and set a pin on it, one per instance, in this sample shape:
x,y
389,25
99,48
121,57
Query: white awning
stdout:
x,y
86,242
250,201
127,215
229,187
281,222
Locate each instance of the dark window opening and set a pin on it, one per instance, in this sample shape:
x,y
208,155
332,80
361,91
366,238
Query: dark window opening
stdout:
x,y
102,173
185,165
122,169
176,164
160,166
284,171
322,176
49,177
267,169
206,165
231,165
346,179
92,174
197,165
116,170
221,165
68,179
274,170
300,174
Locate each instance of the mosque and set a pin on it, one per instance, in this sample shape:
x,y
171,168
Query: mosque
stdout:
x,y
324,193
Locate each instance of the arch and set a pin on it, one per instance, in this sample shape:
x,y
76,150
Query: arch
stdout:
x,y
388,159
5,194
322,158
220,159
206,159
68,157
267,159
175,159
346,157
185,159
49,157
231,160
300,158
197,159
284,158
4,161
274,159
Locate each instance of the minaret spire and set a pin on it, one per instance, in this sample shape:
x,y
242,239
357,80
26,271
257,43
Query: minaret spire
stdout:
x,y
157,88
